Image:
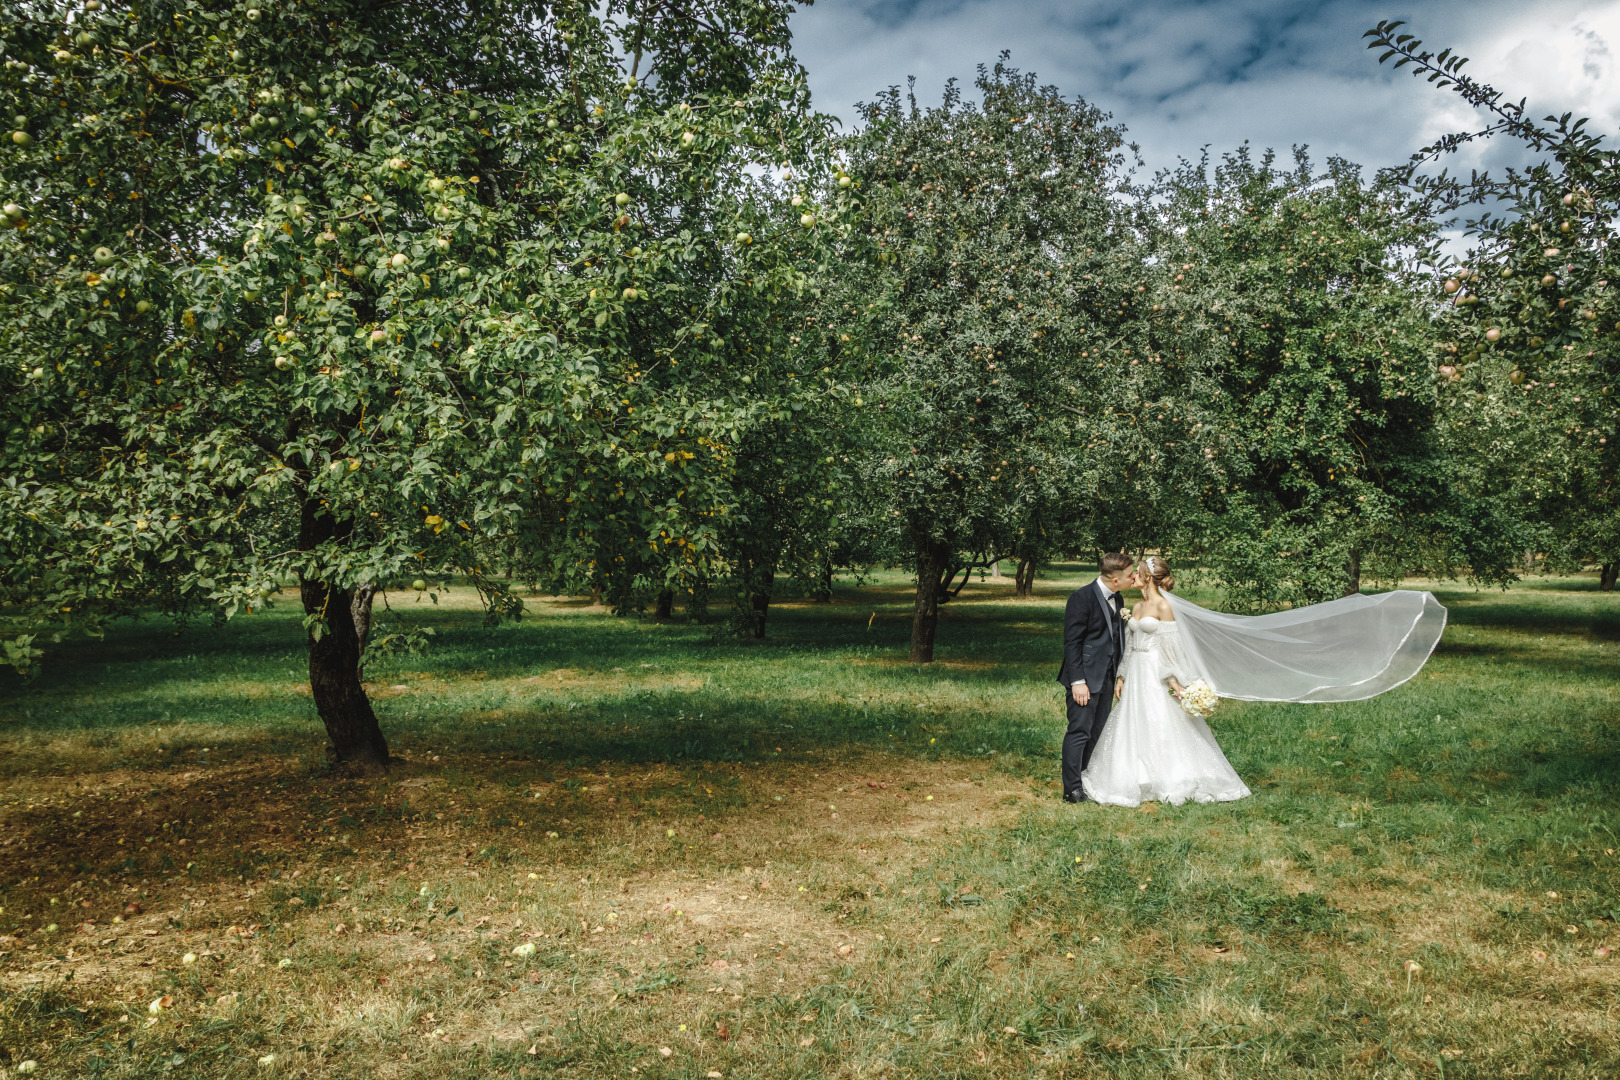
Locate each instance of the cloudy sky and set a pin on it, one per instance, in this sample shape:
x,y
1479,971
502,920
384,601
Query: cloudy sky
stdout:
x,y
1185,73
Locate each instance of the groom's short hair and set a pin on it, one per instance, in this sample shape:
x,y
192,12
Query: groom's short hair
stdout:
x,y
1114,562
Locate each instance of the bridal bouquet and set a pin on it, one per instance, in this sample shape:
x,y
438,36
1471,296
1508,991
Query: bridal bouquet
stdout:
x,y
1200,700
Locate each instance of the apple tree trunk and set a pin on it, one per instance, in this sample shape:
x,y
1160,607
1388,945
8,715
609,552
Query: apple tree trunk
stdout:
x,y
760,602
334,655
1607,575
824,576
1024,579
1352,573
756,563
361,606
664,606
933,563
759,581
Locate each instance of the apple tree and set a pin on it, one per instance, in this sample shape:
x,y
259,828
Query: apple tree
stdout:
x,y
1002,289
351,293
1305,292
1530,331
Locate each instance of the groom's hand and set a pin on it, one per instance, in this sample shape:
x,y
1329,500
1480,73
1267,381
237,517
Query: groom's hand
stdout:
x,y
1082,694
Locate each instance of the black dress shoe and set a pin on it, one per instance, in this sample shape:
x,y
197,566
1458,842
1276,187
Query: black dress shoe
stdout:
x,y
1076,796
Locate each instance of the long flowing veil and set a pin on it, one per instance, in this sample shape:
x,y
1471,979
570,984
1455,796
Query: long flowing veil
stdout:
x,y
1343,650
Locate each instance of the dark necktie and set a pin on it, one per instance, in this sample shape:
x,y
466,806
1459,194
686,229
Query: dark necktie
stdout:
x,y
1118,603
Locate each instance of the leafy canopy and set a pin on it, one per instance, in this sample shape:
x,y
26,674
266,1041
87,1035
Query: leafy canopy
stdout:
x,y
348,292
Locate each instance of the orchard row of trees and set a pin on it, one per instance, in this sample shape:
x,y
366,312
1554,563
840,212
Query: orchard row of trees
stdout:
x,y
589,297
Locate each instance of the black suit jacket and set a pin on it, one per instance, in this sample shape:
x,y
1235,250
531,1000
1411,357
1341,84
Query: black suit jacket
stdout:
x,y
1091,641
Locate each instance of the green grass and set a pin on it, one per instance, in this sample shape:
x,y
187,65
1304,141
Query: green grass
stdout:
x,y
992,930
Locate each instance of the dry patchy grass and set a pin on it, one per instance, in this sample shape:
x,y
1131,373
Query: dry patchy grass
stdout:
x,y
665,892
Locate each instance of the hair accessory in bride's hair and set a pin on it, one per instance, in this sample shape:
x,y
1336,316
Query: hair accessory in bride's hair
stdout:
x,y
1159,571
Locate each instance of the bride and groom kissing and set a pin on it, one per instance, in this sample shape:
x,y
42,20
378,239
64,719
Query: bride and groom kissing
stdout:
x,y
1129,738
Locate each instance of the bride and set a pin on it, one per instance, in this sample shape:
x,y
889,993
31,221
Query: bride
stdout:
x,y
1152,750
1343,650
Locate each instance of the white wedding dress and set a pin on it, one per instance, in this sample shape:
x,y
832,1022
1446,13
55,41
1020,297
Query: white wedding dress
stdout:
x,y
1151,750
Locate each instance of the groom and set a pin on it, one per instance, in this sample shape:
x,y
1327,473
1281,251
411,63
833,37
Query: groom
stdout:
x,y
1093,642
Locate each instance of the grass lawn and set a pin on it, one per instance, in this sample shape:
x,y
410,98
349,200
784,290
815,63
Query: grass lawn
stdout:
x,y
615,848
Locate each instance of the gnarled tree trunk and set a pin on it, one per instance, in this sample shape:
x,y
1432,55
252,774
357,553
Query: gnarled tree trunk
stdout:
x,y
1352,573
664,606
933,562
334,655
1024,579
1607,574
361,607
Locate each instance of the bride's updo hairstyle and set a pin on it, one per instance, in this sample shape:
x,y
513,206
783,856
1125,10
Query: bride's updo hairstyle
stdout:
x,y
1159,571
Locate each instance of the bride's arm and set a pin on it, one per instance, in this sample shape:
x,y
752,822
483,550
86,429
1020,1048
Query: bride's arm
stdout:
x,y
1175,659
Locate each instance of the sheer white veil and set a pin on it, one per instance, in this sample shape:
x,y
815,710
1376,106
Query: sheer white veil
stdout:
x,y
1342,650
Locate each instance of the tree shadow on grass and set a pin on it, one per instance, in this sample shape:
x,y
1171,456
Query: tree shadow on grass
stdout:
x,y
1536,661
1541,611
732,728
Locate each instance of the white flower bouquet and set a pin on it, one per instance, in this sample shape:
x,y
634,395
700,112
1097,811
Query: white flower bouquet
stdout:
x,y
1200,700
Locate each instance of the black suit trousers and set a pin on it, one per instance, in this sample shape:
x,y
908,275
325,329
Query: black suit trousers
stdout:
x,y
1086,723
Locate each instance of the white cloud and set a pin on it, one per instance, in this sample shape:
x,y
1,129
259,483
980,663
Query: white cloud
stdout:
x,y
1564,64
1181,74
